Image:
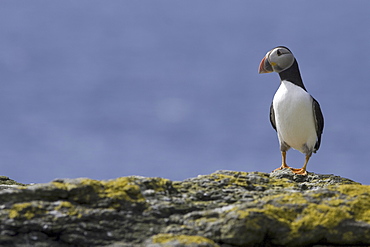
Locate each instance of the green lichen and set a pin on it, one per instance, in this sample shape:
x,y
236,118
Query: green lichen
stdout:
x,y
27,210
182,239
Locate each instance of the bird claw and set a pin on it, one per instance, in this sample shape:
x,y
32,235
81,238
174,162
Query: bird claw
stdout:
x,y
299,171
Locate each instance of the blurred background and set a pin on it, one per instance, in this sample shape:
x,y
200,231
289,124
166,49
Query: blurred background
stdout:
x,y
104,89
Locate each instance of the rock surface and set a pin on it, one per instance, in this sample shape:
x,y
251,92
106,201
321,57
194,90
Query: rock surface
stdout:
x,y
224,208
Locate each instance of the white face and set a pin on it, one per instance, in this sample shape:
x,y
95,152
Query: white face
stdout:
x,y
280,59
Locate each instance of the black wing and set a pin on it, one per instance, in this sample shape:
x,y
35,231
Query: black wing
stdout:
x,y
272,116
319,122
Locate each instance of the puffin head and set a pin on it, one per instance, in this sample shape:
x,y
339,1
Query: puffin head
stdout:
x,y
276,60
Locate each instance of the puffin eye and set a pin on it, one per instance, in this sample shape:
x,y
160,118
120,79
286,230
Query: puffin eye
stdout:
x,y
278,52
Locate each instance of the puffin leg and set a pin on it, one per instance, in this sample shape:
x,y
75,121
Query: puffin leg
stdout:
x,y
283,161
302,171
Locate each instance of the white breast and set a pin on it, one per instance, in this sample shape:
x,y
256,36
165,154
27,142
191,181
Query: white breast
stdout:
x,y
294,118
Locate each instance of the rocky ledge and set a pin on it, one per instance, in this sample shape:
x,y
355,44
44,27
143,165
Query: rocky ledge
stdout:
x,y
224,208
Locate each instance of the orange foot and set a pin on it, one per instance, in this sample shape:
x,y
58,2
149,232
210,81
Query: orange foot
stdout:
x,y
299,171
282,167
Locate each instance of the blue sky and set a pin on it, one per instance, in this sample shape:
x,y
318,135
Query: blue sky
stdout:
x,y
170,88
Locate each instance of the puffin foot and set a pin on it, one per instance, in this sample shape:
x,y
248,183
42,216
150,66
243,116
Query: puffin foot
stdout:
x,y
300,171
282,167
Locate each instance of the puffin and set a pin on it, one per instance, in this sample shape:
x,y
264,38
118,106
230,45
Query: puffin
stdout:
x,y
294,114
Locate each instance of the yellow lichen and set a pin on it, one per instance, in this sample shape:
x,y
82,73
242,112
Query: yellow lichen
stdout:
x,y
63,204
282,214
238,178
359,200
64,186
26,210
353,189
68,208
281,182
123,188
290,198
246,215
158,184
182,239
241,213
95,184
348,236
22,187
320,215
335,202
232,179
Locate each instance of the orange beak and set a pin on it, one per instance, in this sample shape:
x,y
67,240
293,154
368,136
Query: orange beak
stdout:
x,y
265,66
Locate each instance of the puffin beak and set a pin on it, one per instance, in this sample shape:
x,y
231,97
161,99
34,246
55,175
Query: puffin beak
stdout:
x,y
265,66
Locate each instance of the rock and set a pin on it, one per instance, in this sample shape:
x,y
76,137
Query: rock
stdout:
x,y
6,183
225,208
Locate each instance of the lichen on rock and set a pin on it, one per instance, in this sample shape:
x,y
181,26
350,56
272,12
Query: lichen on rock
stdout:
x,y
225,208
